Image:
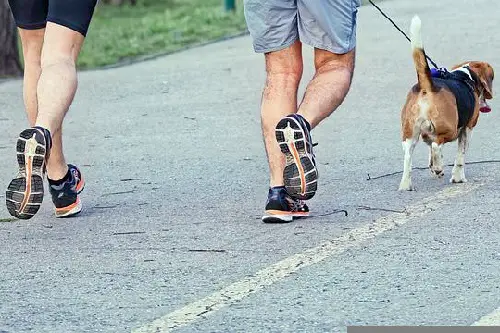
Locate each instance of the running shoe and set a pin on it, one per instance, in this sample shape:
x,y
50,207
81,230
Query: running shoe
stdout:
x,y
24,194
65,195
281,207
300,174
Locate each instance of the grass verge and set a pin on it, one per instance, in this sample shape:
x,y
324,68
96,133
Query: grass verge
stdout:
x,y
118,33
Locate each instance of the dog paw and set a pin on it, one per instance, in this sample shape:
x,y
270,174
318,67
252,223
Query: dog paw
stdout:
x,y
406,187
458,180
437,173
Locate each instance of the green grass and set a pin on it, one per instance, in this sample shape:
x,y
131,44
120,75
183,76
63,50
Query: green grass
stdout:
x,y
118,33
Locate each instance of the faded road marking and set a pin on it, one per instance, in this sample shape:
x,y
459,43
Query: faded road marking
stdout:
x,y
277,272
493,319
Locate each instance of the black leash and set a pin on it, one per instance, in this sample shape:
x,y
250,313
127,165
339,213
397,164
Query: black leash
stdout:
x,y
401,31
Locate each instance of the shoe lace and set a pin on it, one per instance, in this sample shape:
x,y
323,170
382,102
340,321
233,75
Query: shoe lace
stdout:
x,y
313,154
297,205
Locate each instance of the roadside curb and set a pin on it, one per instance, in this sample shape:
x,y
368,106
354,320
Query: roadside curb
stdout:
x,y
135,60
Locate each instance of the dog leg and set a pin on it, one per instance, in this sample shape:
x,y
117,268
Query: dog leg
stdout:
x,y
458,172
436,164
408,148
430,158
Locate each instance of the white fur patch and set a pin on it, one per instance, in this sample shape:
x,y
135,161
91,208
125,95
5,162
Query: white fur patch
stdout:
x,y
465,69
437,160
415,33
408,147
458,172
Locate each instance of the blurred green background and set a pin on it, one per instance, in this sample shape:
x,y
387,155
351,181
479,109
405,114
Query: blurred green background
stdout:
x,y
120,32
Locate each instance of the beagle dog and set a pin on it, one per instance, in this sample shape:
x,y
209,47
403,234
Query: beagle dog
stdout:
x,y
442,108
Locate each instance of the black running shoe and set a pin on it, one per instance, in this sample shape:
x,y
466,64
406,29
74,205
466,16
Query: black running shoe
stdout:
x,y
65,196
24,195
280,207
300,174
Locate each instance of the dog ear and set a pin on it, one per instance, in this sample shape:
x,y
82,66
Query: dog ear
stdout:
x,y
485,73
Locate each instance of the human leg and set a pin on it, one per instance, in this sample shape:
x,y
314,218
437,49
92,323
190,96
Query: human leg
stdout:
x,y
328,26
49,87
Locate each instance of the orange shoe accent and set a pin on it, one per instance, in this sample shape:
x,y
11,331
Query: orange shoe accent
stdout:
x,y
302,175
27,190
280,212
81,184
68,208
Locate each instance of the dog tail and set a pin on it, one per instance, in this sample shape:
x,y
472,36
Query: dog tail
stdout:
x,y
421,65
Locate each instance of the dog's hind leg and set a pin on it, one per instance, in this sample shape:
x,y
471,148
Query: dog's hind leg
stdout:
x,y
408,148
436,164
458,172
430,156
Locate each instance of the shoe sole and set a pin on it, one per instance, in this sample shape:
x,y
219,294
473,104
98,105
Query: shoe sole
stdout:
x,y
300,175
282,217
71,210
24,194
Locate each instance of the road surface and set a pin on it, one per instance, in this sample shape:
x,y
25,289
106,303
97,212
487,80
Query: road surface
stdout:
x,y
171,237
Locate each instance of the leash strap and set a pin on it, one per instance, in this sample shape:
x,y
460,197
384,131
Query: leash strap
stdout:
x,y
401,31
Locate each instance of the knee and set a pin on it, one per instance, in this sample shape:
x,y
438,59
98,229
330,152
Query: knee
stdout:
x,y
341,70
285,65
32,43
325,61
57,56
51,59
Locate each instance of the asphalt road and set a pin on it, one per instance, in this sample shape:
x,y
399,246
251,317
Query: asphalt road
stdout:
x,y
177,180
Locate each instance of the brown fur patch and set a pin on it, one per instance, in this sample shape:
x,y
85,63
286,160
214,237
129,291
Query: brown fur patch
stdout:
x,y
442,107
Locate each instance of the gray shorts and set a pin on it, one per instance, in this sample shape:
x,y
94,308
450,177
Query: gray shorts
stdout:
x,y
324,24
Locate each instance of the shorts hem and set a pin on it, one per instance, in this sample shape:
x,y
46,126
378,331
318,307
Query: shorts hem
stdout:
x,y
68,25
32,26
276,48
331,48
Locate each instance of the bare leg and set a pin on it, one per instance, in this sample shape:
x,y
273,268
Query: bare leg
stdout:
x,y
49,87
324,94
32,42
330,85
284,71
58,74
50,84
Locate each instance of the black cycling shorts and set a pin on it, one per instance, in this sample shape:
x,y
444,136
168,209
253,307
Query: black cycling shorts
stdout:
x,y
34,14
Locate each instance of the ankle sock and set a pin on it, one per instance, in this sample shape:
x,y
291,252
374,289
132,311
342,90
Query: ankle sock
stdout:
x,y
60,181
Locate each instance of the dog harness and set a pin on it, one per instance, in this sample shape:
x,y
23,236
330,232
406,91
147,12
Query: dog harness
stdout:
x,y
462,87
